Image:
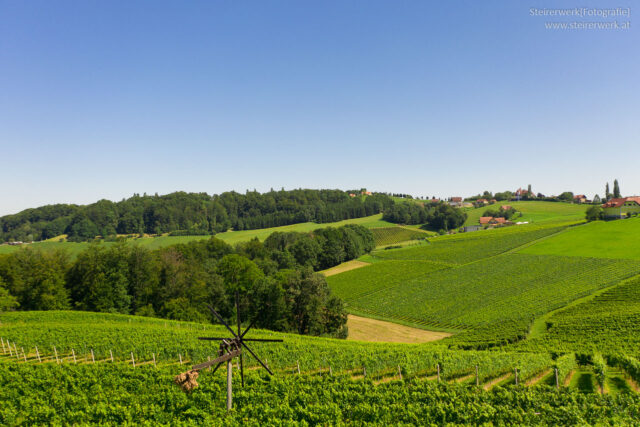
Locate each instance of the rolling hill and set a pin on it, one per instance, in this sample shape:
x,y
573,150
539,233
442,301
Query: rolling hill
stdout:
x,y
533,211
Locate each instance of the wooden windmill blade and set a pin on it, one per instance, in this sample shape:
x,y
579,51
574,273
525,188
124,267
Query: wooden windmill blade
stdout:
x,y
229,349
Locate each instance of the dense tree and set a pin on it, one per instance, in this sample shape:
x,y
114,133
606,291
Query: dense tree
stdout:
x,y
607,193
7,301
500,213
189,213
594,213
446,217
99,279
505,195
616,189
178,282
567,196
36,278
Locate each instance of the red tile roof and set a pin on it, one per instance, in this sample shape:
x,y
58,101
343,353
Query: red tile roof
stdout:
x,y
485,219
616,203
456,199
505,207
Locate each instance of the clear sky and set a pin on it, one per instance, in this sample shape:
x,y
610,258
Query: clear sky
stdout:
x,y
103,99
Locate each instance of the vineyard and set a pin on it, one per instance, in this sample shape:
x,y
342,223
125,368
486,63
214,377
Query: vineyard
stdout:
x,y
610,320
115,369
385,236
111,395
508,287
468,247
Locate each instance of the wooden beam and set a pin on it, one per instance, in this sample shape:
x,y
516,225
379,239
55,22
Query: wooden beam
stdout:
x,y
220,359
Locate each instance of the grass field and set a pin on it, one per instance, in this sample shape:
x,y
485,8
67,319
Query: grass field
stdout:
x,y
231,237
603,239
534,211
367,329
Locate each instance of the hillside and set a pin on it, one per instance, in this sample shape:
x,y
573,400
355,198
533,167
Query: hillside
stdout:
x,y
611,239
188,214
489,285
231,237
78,382
533,211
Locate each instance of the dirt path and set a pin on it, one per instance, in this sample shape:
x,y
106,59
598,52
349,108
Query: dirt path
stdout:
x,y
489,385
536,379
365,329
569,377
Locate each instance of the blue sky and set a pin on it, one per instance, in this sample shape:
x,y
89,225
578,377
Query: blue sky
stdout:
x,y
106,99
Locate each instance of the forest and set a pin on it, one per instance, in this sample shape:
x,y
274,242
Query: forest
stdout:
x,y
275,279
434,215
188,213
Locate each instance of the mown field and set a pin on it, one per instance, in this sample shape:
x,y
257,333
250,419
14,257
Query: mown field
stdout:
x,y
603,239
533,211
231,237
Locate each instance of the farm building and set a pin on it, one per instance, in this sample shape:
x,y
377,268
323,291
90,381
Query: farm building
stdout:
x,y
489,220
580,198
505,207
620,208
469,228
456,201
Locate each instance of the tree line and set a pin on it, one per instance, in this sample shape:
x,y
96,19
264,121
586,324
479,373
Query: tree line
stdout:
x,y
276,280
188,213
434,215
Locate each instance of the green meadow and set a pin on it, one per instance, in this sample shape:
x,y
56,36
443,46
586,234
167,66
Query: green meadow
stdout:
x,y
533,211
231,237
602,239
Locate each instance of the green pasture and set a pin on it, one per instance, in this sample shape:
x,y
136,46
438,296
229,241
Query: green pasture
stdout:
x,y
533,211
602,239
231,237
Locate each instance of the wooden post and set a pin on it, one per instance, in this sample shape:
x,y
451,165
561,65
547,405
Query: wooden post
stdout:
x,y
266,362
111,355
330,371
229,387
9,345
73,352
557,382
209,359
133,360
438,366
516,374
56,353
364,371
4,350
477,379
180,356
154,359
298,363
399,372
15,350
38,355
24,354
93,359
